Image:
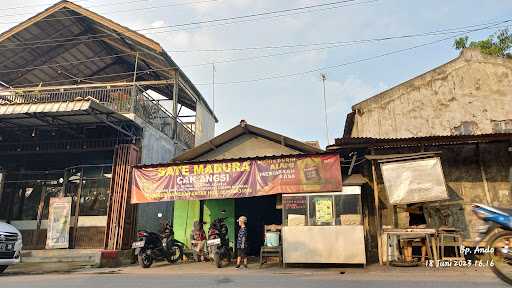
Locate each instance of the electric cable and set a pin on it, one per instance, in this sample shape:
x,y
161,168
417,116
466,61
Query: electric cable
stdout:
x,y
341,44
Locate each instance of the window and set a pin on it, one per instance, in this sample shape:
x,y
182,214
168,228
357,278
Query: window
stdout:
x,y
321,212
94,197
322,209
348,209
294,210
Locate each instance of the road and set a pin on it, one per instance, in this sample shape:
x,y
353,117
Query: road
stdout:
x,y
204,275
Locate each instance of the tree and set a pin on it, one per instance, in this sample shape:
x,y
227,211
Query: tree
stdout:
x,y
497,44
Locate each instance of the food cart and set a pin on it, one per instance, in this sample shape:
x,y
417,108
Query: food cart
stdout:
x,y
324,227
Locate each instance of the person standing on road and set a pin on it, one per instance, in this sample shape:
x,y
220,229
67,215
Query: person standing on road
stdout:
x,y
241,242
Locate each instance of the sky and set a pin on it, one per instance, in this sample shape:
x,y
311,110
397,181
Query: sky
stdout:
x,y
293,105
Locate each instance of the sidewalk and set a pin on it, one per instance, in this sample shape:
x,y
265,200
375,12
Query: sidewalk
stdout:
x,y
29,268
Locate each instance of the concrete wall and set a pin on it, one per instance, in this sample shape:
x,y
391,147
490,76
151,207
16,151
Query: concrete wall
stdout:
x,y
156,148
248,145
469,95
205,124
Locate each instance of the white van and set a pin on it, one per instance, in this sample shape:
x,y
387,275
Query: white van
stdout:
x,y
10,246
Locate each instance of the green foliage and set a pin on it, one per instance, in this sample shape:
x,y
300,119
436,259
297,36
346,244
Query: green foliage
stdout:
x,y
498,44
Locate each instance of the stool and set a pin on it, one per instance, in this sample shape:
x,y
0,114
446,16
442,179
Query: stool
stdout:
x,y
450,238
271,252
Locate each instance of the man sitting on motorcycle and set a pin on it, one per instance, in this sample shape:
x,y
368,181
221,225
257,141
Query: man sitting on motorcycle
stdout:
x,y
198,240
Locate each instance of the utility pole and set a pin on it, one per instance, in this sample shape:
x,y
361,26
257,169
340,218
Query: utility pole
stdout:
x,y
135,68
213,87
324,77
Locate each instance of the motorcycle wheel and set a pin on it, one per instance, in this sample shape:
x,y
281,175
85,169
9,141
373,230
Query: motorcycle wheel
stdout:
x,y
502,244
145,260
175,254
216,260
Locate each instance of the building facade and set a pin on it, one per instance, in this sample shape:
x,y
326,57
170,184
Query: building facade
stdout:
x,y
80,89
459,112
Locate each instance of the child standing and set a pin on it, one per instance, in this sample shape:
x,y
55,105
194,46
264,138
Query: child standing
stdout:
x,y
241,242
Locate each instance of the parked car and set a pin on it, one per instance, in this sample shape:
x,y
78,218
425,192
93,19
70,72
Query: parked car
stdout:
x,y
10,246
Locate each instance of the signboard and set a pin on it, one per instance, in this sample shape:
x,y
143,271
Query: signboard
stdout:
x,y
236,179
414,181
294,202
58,223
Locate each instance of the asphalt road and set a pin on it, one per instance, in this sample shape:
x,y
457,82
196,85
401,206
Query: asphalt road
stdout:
x,y
190,276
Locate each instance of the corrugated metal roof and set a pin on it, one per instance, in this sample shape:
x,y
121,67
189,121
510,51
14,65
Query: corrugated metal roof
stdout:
x,y
70,112
414,141
52,107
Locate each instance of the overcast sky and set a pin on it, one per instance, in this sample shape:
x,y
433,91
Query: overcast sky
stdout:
x,y
292,106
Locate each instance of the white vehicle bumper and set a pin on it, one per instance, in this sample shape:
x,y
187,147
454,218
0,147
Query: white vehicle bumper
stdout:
x,y
17,255
9,262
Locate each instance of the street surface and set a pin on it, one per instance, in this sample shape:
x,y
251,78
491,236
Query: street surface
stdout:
x,y
205,275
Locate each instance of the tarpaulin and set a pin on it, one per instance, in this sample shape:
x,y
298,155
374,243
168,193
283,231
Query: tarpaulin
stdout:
x,y
237,178
414,181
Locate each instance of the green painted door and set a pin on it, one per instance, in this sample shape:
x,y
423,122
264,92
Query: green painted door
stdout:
x,y
212,210
185,213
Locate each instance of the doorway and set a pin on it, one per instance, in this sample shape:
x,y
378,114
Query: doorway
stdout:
x,y
260,211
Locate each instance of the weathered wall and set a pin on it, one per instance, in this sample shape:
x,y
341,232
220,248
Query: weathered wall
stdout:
x,y
205,124
469,95
248,145
156,148
465,167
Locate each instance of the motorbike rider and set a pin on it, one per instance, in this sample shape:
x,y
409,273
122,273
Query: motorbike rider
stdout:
x,y
241,242
198,240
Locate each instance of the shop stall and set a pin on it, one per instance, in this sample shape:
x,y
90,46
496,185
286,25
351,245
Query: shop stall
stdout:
x,y
324,227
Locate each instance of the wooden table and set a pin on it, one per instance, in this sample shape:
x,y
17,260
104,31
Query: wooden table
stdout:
x,y
429,234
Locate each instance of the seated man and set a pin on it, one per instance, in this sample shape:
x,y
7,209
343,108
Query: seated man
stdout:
x,y
198,241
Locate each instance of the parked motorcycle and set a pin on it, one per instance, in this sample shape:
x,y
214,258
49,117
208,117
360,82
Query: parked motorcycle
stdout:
x,y
152,246
498,235
218,242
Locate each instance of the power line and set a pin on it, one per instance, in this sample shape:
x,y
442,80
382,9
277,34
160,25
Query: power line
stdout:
x,y
68,63
315,70
35,5
339,44
112,12
453,30
253,15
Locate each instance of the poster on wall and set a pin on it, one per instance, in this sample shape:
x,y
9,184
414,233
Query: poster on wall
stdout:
x,y
237,178
414,181
323,210
58,223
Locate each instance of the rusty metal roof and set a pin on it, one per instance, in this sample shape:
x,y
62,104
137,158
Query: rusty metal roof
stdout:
x,y
368,142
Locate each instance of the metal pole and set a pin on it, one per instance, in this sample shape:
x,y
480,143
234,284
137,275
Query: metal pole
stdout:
x,y
213,87
135,69
324,77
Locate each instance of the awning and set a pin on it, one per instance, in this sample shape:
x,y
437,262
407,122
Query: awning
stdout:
x,y
58,114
